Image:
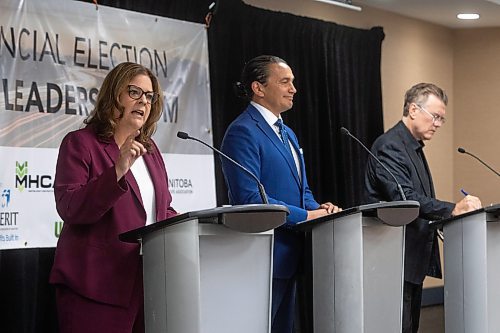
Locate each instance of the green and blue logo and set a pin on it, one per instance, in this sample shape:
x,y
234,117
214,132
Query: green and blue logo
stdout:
x,y
35,183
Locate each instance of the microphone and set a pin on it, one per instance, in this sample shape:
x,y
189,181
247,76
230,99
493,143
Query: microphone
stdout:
x,y
463,151
263,196
345,131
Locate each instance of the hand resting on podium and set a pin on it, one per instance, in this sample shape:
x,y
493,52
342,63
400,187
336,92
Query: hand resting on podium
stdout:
x,y
324,209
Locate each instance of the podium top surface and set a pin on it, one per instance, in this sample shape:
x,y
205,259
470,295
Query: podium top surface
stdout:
x,y
373,210
215,216
492,209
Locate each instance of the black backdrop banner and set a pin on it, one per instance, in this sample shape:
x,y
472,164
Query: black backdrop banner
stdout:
x,y
337,71
337,76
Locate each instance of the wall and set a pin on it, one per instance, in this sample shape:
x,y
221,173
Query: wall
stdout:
x,y
477,121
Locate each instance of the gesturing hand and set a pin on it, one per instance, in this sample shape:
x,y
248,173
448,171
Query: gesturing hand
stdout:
x,y
130,151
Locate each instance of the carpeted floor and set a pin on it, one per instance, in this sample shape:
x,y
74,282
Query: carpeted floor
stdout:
x,y
432,319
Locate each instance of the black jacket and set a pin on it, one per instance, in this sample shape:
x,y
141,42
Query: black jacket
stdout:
x,y
402,154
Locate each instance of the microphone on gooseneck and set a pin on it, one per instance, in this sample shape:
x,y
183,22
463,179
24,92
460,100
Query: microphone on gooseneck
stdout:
x,y
345,131
263,196
463,151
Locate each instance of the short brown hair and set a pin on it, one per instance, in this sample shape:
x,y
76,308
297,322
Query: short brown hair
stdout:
x,y
102,117
419,93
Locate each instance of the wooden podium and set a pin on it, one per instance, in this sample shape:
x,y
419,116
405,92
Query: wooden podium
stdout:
x,y
472,271
209,271
358,260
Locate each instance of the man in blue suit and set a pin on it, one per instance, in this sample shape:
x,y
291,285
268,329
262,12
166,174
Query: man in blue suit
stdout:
x,y
260,141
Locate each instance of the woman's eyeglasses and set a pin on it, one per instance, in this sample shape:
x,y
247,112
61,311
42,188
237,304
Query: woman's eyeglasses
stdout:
x,y
136,93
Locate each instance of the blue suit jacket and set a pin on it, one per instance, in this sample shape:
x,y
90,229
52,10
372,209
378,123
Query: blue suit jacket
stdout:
x,y
252,142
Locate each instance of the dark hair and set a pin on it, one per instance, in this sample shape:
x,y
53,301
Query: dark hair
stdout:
x,y
419,93
256,69
102,117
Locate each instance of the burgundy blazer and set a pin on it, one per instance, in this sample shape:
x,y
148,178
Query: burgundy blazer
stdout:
x,y
95,208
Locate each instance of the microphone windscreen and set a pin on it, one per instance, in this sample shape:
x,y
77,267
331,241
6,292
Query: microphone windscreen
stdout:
x,y
461,150
182,135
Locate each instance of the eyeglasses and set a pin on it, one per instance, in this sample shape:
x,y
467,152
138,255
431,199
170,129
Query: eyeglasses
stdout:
x,y
136,93
435,118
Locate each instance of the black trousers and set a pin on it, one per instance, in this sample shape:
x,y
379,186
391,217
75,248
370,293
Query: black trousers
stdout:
x,y
412,302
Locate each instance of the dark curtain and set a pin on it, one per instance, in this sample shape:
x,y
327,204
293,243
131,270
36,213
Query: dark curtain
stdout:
x,y
185,10
27,301
337,71
337,76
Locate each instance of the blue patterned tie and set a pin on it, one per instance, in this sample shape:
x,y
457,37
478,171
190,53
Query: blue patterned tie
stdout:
x,y
283,134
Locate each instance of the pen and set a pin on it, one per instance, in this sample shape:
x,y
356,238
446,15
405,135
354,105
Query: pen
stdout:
x,y
463,192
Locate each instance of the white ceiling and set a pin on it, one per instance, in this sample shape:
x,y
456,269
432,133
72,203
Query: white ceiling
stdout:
x,y
442,12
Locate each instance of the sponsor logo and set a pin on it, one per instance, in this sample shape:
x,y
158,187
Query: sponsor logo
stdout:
x,y
181,185
8,219
5,198
21,173
32,182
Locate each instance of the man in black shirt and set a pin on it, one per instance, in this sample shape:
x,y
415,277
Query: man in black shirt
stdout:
x,y
401,150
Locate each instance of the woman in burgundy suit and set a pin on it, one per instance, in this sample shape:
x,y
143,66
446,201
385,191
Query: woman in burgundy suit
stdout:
x,y
110,178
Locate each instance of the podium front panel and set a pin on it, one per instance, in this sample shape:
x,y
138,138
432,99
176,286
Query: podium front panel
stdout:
x,y
323,278
234,287
348,261
493,277
171,279
471,289
383,262
357,275
207,278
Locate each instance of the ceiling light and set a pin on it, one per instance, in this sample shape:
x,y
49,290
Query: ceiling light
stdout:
x,y
468,16
341,3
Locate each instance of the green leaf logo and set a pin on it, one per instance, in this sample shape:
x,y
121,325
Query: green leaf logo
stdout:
x,y
21,169
21,172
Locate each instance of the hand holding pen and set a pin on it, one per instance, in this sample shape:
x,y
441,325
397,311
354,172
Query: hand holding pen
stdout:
x,y
467,204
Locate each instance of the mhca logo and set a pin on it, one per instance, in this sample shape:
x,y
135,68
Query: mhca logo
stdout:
x,y
24,180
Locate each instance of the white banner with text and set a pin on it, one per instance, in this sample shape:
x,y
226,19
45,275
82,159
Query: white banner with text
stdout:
x,y
54,55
